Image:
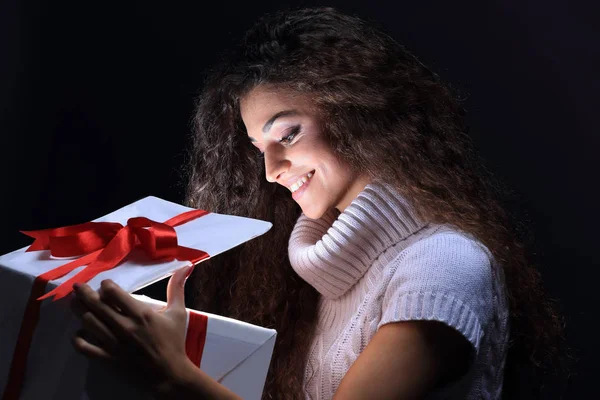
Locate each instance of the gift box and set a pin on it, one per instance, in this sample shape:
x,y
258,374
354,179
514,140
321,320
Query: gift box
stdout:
x,y
134,246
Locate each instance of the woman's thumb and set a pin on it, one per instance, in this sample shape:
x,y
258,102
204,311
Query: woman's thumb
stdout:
x,y
175,287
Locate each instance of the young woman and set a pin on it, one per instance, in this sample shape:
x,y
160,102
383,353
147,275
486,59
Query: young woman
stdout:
x,y
392,270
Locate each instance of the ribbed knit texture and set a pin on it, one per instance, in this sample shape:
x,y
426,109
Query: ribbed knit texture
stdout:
x,y
377,263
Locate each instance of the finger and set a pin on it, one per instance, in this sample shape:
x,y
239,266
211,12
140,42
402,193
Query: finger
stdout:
x,y
88,349
175,288
99,331
113,294
91,299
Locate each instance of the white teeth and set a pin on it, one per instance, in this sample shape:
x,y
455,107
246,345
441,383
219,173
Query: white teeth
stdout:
x,y
298,184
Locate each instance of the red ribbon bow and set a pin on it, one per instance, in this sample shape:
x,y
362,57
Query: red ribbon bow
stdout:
x,y
103,245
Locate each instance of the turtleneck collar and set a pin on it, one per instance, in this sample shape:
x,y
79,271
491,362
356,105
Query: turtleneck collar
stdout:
x,y
333,252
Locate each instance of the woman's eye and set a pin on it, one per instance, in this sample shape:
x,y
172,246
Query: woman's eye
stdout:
x,y
287,139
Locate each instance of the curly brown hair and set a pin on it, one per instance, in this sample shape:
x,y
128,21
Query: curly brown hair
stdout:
x,y
387,115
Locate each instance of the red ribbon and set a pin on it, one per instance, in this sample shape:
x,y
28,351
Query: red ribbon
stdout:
x,y
196,337
106,244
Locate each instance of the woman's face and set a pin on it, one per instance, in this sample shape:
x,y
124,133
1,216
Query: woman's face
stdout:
x,y
284,127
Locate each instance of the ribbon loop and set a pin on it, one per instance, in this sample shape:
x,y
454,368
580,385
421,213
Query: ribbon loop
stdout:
x,y
73,240
95,237
158,240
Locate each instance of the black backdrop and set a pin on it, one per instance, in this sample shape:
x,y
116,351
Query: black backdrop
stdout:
x,y
96,99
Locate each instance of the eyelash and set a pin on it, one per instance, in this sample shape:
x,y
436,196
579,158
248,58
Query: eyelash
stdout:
x,y
290,136
286,139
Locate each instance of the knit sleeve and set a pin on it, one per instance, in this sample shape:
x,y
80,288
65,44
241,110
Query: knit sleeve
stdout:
x,y
446,277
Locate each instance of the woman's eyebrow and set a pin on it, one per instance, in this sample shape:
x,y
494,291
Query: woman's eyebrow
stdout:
x,y
270,122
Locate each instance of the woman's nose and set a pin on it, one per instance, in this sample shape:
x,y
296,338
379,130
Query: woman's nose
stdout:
x,y
276,164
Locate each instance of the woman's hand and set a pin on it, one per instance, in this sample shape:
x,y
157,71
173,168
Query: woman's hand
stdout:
x,y
120,328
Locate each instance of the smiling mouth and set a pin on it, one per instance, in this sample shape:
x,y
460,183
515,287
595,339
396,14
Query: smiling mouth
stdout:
x,y
300,182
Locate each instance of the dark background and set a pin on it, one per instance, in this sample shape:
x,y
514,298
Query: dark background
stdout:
x,y
96,99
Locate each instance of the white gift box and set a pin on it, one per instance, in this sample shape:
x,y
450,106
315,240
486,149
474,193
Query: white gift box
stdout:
x,y
235,353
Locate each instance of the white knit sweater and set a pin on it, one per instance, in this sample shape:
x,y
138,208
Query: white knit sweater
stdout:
x,y
376,263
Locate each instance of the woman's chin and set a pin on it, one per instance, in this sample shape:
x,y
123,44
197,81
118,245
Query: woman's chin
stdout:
x,y
313,212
